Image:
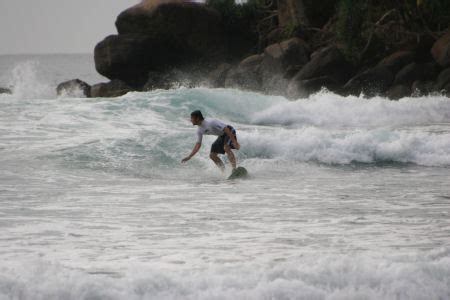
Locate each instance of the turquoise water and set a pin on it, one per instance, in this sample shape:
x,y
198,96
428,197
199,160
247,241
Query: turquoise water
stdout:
x,y
347,198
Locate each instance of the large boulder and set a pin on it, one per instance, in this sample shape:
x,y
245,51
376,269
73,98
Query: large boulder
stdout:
x,y
5,91
246,75
279,56
160,35
398,91
328,61
130,57
409,73
421,88
114,88
372,82
189,24
441,50
443,80
167,80
74,88
238,78
298,88
397,60
277,59
218,76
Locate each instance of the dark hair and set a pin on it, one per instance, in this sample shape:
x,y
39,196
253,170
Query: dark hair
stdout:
x,y
197,114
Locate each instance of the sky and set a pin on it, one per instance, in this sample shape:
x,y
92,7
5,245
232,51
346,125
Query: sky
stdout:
x,y
57,26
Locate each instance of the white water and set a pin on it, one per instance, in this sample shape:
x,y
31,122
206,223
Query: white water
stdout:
x,y
348,198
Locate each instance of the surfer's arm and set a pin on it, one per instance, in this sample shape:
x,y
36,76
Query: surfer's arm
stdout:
x,y
232,137
194,151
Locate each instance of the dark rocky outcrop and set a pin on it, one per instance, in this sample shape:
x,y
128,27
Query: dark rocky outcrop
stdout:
x,y
328,61
421,88
241,78
276,60
348,47
114,88
74,87
157,36
168,80
443,80
218,76
409,73
5,91
303,88
398,91
397,60
130,57
371,82
193,26
441,50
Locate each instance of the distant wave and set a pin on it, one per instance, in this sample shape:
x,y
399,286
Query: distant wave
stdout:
x,y
344,147
334,111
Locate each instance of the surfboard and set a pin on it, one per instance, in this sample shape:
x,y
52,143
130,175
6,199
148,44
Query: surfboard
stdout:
x,y
239,172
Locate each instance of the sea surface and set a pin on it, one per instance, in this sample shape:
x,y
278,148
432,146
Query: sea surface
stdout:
x,y
348,198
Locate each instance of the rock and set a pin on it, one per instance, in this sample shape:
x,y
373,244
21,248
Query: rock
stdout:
x,y
238,78
420,88
246,75
277,58
397,60
398,91
295,52
327,61
114,88
443,79
441,50
74,88
305,12
218,76
430,70
167,80
446,90
303,88
251,63
372,82
160,35
409,73
5,91
274,36
191,25
130,57
291,71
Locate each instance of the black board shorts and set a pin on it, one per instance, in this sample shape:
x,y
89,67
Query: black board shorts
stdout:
x,y
221,141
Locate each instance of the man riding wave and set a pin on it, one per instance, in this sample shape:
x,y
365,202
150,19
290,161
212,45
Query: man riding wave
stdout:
x,y
225,142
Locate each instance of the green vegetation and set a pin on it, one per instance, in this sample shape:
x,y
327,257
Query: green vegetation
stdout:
x,y
239,16
362,23
353,28
253,18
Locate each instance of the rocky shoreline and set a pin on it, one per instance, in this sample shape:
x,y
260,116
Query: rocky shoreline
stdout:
x,y
162,43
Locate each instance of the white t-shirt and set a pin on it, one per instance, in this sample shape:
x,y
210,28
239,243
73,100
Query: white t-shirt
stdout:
x,y
210,127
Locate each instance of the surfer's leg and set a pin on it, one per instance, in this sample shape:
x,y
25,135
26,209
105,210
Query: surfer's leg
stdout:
x,y
215,158
230,155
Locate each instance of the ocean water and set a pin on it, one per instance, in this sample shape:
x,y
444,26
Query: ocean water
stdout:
x,y
348,198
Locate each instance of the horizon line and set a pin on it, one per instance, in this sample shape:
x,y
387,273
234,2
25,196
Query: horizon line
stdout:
x,y
46,53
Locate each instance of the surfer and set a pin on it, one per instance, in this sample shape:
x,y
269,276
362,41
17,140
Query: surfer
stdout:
x,y
225,142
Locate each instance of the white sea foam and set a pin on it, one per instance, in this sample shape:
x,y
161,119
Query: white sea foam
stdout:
x,y
26,83
334,111
96,205
346,146
310,277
